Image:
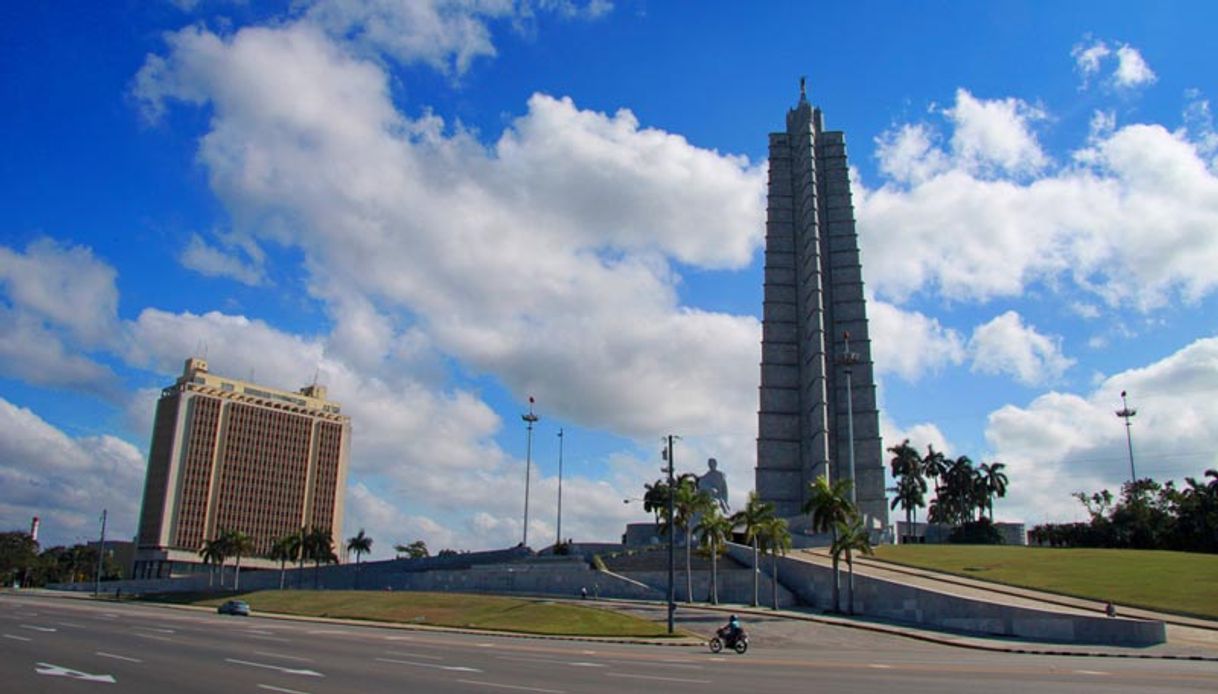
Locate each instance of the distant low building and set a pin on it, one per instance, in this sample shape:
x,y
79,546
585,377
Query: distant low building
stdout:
x,y
121,552
937,533
231,455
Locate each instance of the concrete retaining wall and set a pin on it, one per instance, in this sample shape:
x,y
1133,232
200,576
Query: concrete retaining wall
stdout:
x,y
875,597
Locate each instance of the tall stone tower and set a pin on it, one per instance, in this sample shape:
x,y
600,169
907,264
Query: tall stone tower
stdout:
x,y
813,300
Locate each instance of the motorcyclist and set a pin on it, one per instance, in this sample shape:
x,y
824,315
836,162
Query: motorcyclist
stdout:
x,y
732,630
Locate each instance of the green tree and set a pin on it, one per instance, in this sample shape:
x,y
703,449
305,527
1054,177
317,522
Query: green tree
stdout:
x,y
238,543
829,505
851,536
774,539
910,490
714,530
18,554
319,547
750,520
414,550
995,481
213,553
361,544
283,550
688,503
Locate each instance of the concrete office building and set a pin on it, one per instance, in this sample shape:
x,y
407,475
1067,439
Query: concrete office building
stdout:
x,y
813,297
232,455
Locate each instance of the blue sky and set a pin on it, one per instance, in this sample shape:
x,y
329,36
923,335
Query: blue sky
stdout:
x,y
441,208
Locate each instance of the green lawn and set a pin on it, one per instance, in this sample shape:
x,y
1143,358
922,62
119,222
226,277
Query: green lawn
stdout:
x,y
1182,582
525,615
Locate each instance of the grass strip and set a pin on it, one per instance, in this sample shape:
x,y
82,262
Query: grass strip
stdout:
x,y
498,613
1179,582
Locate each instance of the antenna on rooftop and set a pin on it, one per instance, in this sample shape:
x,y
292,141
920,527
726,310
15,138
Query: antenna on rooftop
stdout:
x,y
316,373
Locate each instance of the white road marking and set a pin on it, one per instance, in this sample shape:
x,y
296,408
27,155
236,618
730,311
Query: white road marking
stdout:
x,y
589,652
118,657
70,624
399,638
879,666
1090,672
162,630
654,677
485,645
319,632
154,637
557,661
657,663
285,657
514,686
285,670
31,627
269,638
451,668
61,671
415,655
258,631
281,689
17,638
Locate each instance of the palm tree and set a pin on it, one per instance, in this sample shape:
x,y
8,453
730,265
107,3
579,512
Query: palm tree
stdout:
x,y
414,550
238,543
995,483
829,504
300,547
284,550
319,544
775,540
934,465
688,503
909,472
851,536
714,530
212,553
361,544
750,520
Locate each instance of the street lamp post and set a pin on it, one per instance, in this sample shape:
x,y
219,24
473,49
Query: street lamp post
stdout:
x,y
531,419
1126,413
672,548
559,540
849,359
101,554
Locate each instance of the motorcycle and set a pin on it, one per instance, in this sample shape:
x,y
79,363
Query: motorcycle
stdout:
x,y
722,638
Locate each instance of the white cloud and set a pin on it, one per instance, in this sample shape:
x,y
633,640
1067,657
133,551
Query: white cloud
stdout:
x,y
65,481
543,260
227,262
910,344
448,35
1062,442
1006,346
64,286
973,238
1132,70
993,137
908,154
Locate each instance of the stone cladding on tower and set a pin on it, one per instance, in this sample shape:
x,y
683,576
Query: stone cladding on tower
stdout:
x,y
813,298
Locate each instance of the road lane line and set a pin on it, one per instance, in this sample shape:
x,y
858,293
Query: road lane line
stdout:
x,y
416,655
399,638
514,686
655,677
269,638
285,657
118,657
154,637
17,638
556,661
160,630
1090,672
281,689
879,666
451,668
70,624
285,670
31,627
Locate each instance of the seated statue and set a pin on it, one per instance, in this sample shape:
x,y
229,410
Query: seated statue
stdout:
x,y
714,483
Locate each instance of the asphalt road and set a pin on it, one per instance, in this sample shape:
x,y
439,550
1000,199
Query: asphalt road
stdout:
x,y
59,645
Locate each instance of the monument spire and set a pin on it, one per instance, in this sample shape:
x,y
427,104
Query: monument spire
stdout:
x,y
803,88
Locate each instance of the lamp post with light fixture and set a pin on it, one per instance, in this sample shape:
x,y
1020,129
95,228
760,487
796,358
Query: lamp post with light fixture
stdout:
x,y
531,419
1126,413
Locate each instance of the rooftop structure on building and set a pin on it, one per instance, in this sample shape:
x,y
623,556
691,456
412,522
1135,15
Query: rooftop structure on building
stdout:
x,y
231,455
